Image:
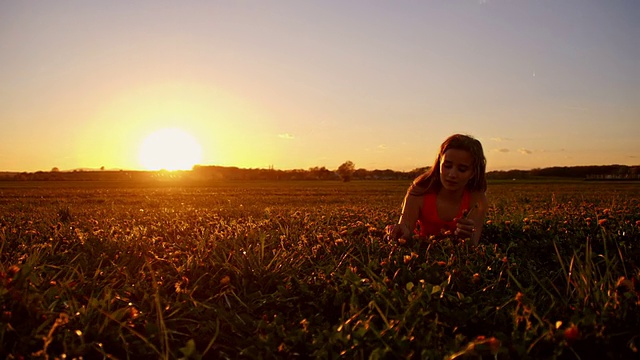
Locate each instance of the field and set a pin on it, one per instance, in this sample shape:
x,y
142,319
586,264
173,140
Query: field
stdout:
x,y
302,270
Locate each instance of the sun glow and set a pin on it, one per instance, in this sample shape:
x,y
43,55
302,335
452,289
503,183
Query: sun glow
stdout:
x,y
170,149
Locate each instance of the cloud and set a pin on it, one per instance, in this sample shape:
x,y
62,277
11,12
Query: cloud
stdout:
x,y
500,139
525,151
550,151
286,136
503,150
382,147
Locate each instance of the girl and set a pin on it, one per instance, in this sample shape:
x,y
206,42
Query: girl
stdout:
x,y
448,199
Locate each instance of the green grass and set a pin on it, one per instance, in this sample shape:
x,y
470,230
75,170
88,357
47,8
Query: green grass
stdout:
x,y
301,269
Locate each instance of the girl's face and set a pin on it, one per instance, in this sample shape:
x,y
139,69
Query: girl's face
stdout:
x,y
456,169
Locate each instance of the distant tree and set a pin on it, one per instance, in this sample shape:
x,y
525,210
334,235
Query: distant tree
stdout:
x,y
320,173
55,169
361,174
346,170
101,168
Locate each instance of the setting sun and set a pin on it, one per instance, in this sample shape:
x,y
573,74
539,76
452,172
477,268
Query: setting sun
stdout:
x,y
170,149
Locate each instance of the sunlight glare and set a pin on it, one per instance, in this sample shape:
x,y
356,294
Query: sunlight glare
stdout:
x,y
170,149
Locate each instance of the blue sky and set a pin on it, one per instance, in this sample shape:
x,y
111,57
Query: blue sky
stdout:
x,y
297,84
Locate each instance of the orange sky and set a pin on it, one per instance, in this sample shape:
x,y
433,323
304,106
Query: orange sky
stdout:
x,y
302,84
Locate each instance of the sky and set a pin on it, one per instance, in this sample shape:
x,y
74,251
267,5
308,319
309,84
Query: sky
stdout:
x,y
298,84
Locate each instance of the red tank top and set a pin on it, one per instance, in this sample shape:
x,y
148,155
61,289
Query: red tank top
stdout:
x,y
430,223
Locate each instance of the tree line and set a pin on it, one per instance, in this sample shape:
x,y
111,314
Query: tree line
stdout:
x,y
345,172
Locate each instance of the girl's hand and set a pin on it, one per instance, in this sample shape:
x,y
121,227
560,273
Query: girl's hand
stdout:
x,y
465,227
396,231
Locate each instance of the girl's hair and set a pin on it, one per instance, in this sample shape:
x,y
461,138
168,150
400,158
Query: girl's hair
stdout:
x,y
430,180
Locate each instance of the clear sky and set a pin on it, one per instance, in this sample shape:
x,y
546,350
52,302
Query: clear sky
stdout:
x,y
296,84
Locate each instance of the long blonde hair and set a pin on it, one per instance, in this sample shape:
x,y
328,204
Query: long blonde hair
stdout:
x,y
430,180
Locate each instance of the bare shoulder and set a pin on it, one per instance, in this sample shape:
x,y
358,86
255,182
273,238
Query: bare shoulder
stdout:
x,y
414,201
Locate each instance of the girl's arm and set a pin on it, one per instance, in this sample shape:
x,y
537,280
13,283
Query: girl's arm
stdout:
x,y
411,207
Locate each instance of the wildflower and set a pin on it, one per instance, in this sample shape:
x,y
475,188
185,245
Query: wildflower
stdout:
x,y
442,263
6,317
13,270
489,222
572,333
601,222
623,285
476,278
305,325
133,313
408,258
519,297
507,222
225,280
494,345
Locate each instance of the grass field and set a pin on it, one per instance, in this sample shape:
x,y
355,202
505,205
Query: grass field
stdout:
x,y
302,270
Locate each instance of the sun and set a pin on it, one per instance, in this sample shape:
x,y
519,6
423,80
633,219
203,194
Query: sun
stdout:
x,y
170,149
